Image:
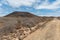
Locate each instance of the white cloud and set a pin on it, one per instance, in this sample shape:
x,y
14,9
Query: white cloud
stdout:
x,y
1,11
46,5
18,3
0,4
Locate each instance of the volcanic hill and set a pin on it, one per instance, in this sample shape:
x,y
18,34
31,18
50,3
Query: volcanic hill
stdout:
x,y
20,14
18,25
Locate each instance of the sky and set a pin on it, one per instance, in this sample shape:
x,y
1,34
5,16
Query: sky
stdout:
x,y
37,7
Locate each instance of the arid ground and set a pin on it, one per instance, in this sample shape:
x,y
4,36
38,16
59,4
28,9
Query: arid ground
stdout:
x,y
26,26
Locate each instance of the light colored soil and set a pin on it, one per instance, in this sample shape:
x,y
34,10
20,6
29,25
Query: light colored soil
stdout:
x,y
51,31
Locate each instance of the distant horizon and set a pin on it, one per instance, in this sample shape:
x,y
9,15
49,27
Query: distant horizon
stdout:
x,y
34,14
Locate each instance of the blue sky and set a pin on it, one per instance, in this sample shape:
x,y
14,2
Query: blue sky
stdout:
x,y
37,7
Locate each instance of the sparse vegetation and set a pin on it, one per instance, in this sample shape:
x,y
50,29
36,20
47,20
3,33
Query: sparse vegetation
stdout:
x,y
18,26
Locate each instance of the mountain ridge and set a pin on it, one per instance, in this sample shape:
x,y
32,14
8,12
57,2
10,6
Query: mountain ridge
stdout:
x,y
20,14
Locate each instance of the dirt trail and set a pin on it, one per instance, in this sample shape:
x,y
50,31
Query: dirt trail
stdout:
x,y
51,31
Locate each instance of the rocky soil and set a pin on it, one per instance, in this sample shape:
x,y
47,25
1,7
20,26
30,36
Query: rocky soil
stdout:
x,y
19,26
51,31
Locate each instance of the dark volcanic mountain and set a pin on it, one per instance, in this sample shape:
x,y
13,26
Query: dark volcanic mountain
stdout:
x,y
18,25
20,14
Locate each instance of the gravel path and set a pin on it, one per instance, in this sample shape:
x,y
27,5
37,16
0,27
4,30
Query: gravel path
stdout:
x,y
51,31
